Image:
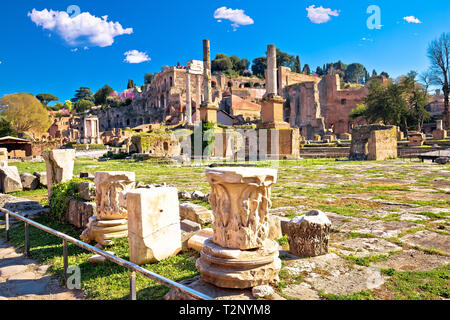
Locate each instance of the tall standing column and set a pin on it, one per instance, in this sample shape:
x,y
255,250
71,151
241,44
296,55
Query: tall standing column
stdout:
x,y
207,73
271,78
199,98
188,98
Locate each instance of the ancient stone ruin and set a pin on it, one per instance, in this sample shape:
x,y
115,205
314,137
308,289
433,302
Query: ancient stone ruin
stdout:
x,y
111,220
374,142
153,224
308,235
240,254
60,164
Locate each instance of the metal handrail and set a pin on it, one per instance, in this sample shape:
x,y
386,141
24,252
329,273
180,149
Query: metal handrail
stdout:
x,y
124,263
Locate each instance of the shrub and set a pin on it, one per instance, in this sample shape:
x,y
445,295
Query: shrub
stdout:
x,y
61,195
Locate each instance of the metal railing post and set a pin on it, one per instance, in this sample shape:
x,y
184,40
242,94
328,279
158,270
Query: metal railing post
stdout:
x,y
132,285
27,240
66,259
7,226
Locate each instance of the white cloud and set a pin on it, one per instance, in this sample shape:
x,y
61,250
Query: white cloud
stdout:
x,y
237,16
134,56
82,28
367,39
74,50
412,19
321,14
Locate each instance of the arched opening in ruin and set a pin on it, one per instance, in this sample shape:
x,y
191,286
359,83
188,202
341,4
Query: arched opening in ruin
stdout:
x,y
166,146
230,84
163,105
213,84
170,82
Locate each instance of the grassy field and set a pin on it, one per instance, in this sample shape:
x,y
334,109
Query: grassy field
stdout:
x,y
389,192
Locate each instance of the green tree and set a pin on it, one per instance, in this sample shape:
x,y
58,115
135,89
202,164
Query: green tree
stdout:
x,y
6,128
259,67
83,105
355,73
25,113
84,93
131,84
101,95
222,63
306,70
46,98
297,65
68,105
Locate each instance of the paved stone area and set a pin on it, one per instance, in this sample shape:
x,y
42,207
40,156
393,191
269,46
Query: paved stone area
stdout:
x,y
23,279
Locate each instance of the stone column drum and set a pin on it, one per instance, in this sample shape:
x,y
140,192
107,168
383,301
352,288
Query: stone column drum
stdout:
x,y
241,254
111,220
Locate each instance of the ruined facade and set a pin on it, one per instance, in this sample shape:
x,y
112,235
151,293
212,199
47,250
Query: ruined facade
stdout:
x,y
317,105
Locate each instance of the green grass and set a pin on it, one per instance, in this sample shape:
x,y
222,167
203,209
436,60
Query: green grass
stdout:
x,y
419,285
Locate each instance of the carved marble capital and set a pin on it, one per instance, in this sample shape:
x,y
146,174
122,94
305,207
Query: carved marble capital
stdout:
x,y
240,200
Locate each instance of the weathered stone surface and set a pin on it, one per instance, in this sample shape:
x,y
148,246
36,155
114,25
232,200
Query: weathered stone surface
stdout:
x,y
302,291
10,180
79,212
185,195
373,142
87,191
275,232
264,291
42,178
413,260
154,230
198,240
416,139
240,200
308,235
335,275
197,195
442,160
188,230
196,213
364,247
110,188
111,220
29,181
429,240
238,269
60,164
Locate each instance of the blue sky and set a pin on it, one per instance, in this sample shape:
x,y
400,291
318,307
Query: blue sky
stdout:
x,y
38,54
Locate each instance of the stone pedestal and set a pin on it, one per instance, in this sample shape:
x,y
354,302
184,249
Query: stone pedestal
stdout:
x,y
272,114
208,113
308,235
60,164
111,220
416,139
240,254
153,224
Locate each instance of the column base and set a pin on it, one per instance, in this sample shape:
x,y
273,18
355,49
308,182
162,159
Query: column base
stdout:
x,y
237,269
104,231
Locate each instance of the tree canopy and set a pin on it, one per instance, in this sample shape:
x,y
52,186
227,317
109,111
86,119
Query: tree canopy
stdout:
x,y
25,113
83,105
45,98
401,103
84,93
101,95
232,66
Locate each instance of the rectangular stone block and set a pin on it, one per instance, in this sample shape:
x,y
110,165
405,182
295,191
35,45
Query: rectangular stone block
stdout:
x,y
196,213
10,180
154,232
79,212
